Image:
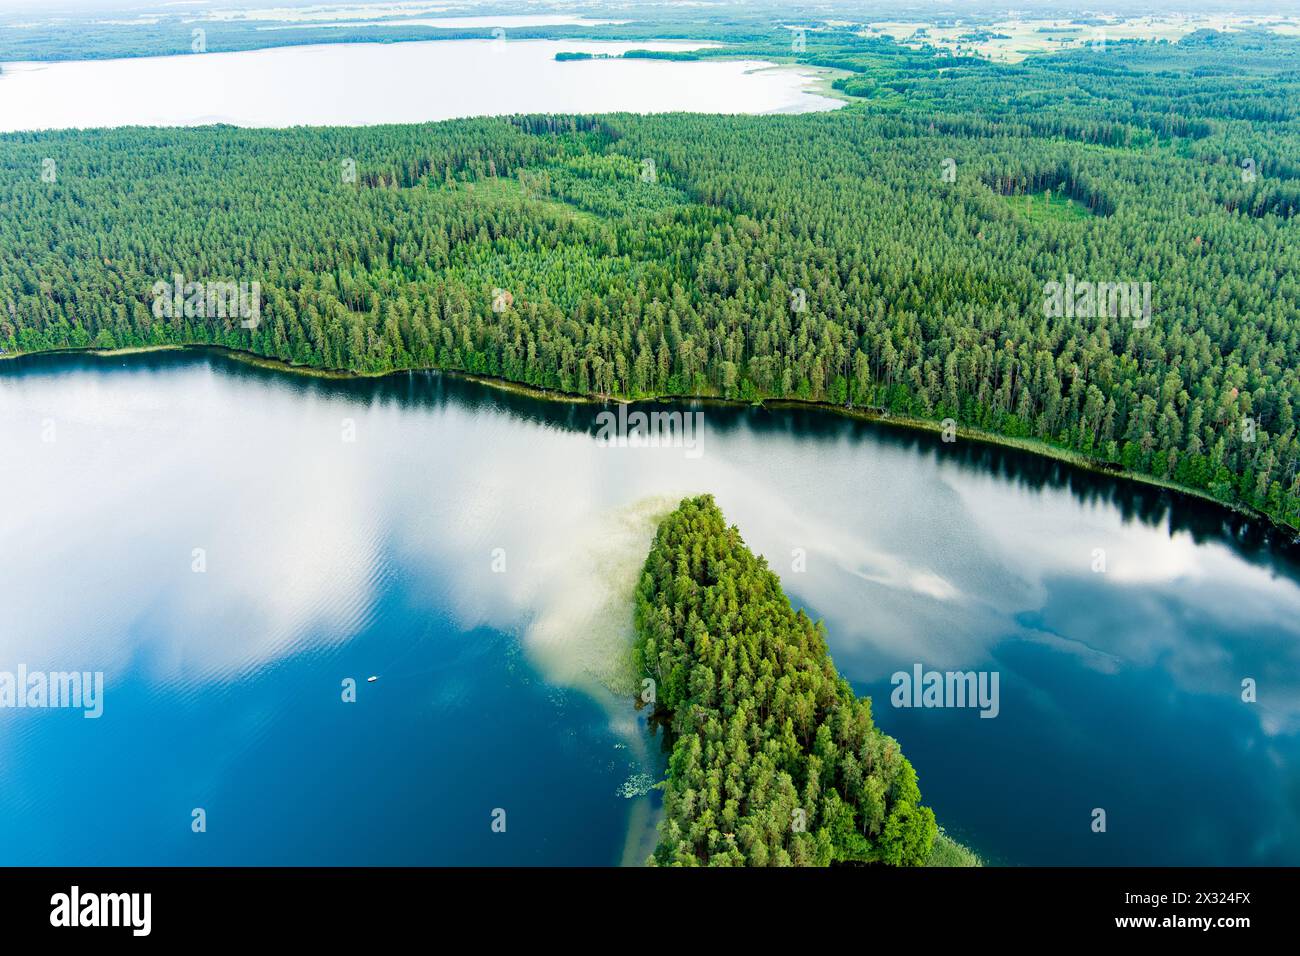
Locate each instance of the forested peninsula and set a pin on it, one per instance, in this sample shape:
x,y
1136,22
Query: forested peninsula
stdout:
x,y
775,761
895,255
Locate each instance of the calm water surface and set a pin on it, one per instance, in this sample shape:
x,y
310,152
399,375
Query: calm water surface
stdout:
x,y
368,83
473,549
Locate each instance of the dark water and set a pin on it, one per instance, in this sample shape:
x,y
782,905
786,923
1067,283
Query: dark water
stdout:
x,y
473,548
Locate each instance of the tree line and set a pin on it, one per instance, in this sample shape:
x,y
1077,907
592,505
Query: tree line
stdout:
x,y
878,256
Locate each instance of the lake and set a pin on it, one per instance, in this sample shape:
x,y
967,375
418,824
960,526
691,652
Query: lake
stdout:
x,y
228,544
372,83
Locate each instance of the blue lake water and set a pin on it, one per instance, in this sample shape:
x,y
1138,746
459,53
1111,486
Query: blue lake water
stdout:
x,y
474,549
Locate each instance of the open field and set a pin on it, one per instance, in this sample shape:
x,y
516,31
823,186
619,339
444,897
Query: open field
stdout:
x,y
1012,40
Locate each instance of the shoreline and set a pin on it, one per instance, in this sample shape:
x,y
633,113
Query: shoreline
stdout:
x,y
642,817
1027,445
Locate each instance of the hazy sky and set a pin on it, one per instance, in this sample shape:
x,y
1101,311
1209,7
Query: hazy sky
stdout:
x,y
859,7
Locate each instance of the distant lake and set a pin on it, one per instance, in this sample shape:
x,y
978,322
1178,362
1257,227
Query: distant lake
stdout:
x,y
473,548
371,83
442,22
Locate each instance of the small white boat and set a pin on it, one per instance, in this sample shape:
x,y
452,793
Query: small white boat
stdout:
x,y
372,679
